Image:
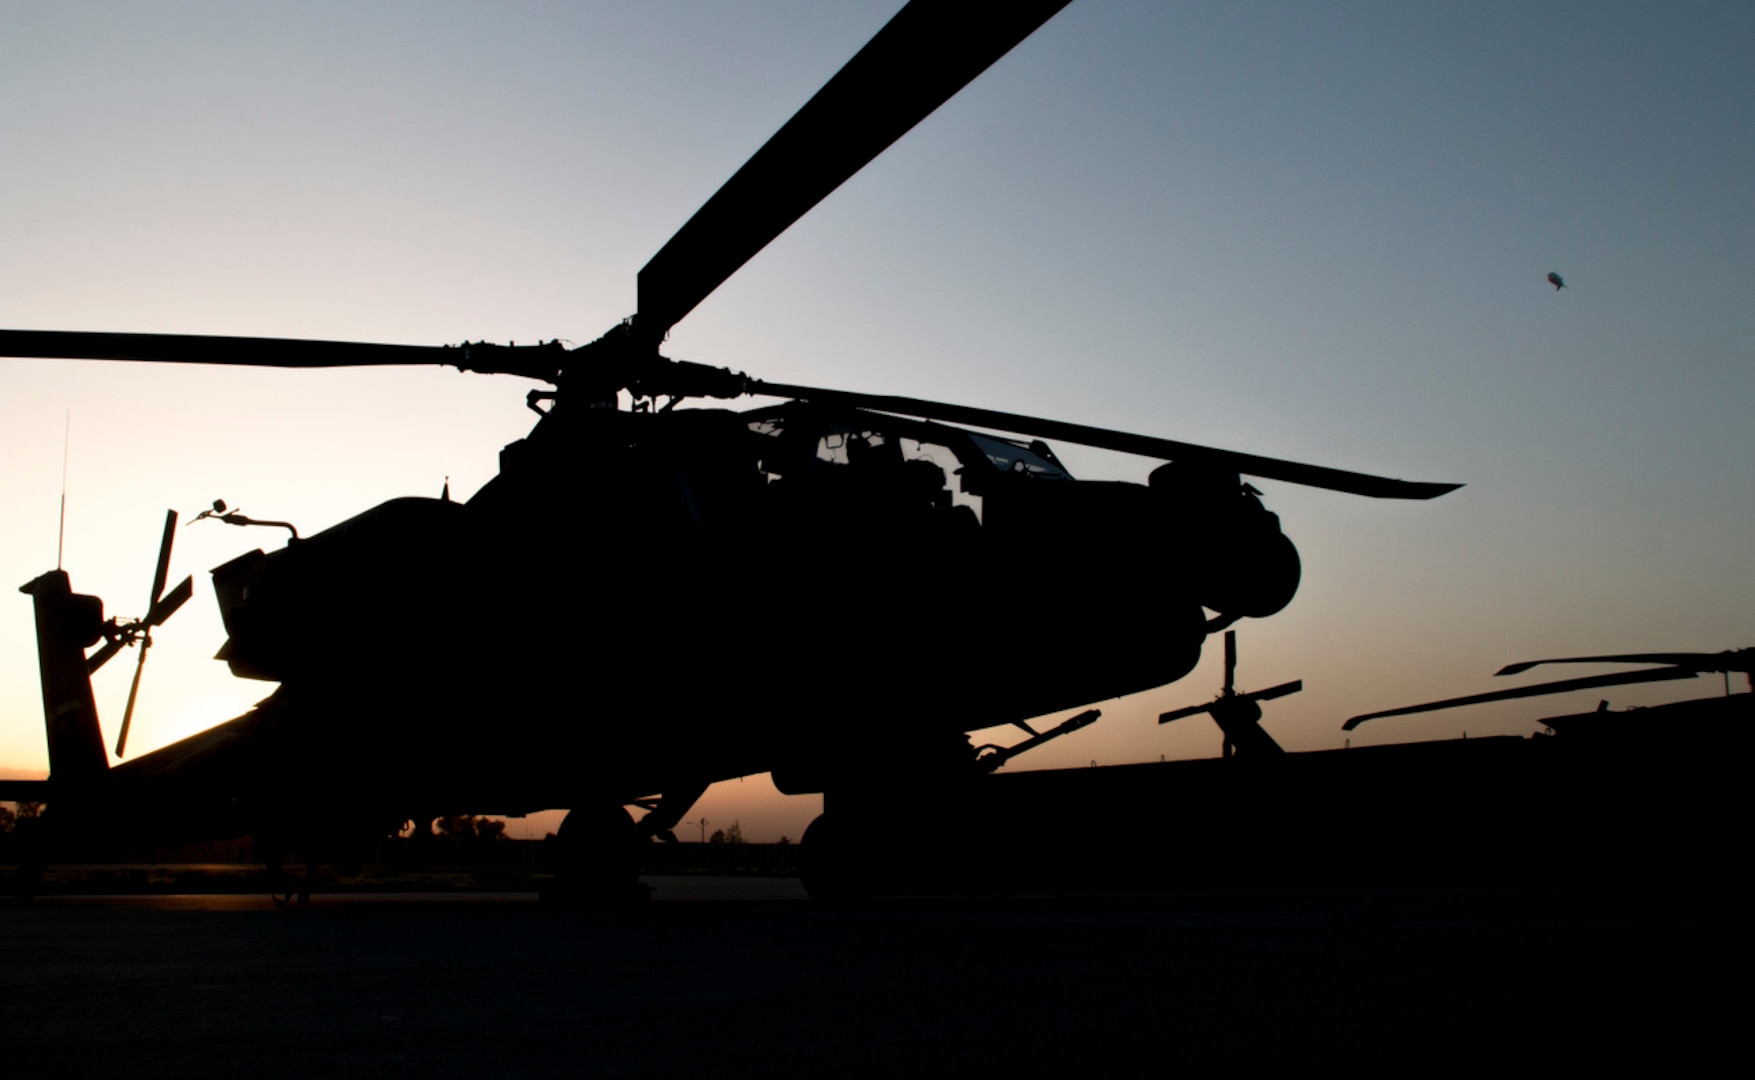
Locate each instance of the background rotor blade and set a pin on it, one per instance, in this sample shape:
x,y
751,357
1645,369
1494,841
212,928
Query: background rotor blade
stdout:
x,y
1230,663
1279,691
925,54
539,361
1591,683
1177,714
1292,472
164,558
1742,660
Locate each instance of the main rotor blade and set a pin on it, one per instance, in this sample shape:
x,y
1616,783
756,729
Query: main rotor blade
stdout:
x,y
538,361
164,558
923,56
1291,472
1740,660
1279,691
1591,683
211,349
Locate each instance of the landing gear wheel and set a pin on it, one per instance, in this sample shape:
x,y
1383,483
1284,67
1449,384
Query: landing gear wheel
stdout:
x,y
283,887
597,860
826,865
33,863
28,880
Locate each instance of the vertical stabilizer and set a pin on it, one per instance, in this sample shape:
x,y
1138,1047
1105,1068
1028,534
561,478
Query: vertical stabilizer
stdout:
x,y
67,624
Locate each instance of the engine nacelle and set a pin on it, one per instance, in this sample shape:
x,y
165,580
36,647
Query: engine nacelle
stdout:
x,y
1243,565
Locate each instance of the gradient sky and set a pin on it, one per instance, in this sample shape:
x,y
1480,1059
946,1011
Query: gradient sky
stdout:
x,y
1318,232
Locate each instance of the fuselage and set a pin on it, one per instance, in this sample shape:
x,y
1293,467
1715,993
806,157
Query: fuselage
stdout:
x,y
652,601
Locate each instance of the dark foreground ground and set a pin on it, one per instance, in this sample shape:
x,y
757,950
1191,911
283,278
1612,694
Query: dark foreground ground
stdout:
x,y
734,978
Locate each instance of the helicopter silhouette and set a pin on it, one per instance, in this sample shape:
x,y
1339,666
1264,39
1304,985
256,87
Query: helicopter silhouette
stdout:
x,y
703,593
1674,665
1637,794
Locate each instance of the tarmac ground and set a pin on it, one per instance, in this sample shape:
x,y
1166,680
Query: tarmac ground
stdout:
x,y
744,977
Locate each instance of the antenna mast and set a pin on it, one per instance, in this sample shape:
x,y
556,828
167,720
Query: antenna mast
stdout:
x,y
61,533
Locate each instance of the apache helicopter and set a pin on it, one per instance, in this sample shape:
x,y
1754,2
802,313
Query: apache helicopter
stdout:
x,y
752,588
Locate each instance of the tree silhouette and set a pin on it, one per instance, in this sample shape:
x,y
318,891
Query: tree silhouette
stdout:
x,y
468,828
731,834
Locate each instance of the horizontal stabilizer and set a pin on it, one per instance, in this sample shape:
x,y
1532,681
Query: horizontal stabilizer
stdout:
x,y
24,791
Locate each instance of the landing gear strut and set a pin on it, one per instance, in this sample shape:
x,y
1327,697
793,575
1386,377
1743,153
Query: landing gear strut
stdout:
x,y
829,867
284,888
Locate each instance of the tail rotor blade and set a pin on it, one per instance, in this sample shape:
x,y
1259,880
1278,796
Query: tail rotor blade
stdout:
x,y
160,606
133,693
164,558
167,605
102,656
